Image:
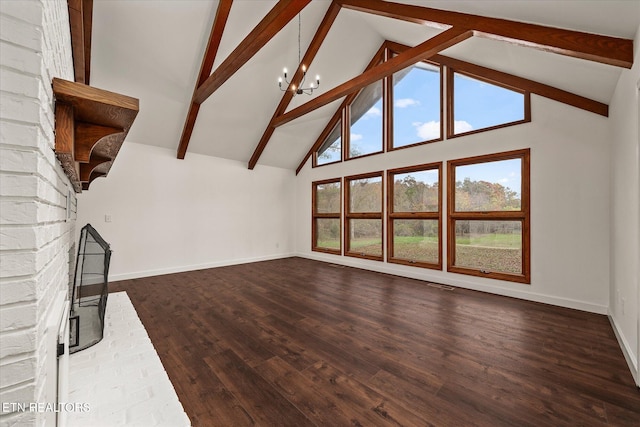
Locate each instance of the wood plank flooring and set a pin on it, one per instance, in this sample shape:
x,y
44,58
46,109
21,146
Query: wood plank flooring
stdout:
x,y
296,342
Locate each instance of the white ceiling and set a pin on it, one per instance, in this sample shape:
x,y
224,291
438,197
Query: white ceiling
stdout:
x,y
152,50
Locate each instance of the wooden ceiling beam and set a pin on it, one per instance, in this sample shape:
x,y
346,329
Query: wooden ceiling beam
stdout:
x,y
80,24
283,12
217,29
308,58
531,86
593,47
409,57
517,82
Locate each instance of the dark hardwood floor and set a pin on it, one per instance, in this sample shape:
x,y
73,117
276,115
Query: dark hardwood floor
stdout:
x,y
295,342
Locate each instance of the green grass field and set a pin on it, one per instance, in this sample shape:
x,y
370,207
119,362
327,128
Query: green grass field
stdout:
x,y
492,252
491,240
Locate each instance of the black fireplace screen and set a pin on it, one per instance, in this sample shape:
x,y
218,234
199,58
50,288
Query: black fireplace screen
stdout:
x,y
89,293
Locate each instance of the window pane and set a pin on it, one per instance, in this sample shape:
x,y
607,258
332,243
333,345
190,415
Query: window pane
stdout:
x,y
490,246
331,149
328,198
416,104
416,191
365,236
416,240
479,105
366,122
491,186
365,195
328,233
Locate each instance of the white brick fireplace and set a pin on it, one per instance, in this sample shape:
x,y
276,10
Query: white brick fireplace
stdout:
x,y
37,206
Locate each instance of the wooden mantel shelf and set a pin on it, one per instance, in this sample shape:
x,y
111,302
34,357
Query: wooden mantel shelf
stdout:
x,y
91,125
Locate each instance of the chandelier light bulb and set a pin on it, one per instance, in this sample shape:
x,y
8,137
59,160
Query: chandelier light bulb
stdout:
x,y
298,88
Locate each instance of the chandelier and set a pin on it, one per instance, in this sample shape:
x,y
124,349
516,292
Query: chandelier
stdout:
x,y
300,89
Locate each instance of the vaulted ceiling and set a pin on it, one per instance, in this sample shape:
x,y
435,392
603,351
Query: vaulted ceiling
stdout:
x,y
153,50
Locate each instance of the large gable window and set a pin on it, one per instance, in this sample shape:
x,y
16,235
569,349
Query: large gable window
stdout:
x,y
416,112
414,201
476,104
488,221
363,217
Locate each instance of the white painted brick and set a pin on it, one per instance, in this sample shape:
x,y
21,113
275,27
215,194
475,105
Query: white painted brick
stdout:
x,y
19,419
17,342
14,160
20,58
22,393
18,372
29,11
35,43
18,212
19,108
13,291
19,83
29,237
18,134
18,264
12,238
20,33
18,185
17,317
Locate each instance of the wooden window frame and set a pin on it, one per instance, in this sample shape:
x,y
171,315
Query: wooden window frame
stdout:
x,y
391,215
348,215
523,215
451,107
346,125
390,117
316,215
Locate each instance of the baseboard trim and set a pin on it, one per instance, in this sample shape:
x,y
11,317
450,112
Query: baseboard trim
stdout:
x,y
184,268
626,350
453,280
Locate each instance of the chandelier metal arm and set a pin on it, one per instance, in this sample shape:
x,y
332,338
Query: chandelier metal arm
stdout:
x,y
300,89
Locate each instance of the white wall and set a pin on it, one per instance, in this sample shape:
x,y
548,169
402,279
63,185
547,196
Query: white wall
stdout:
x,y
170,215
569,204
35,237
625,212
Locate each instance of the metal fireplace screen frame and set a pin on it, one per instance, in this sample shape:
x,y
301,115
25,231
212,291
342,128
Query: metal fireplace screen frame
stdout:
x,y
90,290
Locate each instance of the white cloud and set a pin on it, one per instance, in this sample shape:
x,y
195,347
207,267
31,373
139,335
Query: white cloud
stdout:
x,y
504,180
460,126
356,136
406,102
373,112
427,131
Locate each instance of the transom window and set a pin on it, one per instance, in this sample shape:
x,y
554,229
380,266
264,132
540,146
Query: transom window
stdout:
x,y
478,105
488,221
416,112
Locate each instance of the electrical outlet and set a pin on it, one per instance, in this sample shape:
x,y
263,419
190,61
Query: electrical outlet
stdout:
x,y
107,218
